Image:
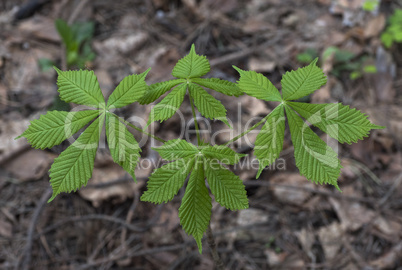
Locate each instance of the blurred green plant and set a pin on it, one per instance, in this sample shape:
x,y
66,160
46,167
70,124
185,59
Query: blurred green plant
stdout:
x,y
307,56
45,64
393,32
371,5
77,39
343,61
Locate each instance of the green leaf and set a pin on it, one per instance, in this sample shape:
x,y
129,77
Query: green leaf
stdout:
x,y
338,121
269,141
168,106
154,91
195,208
191,66
175,149
66,34
165,182
83,30
303,81
227,187
222,86
257,85
80,87
314,158
123,147
56,126
73,168
387,39
129,90
207,105
223,153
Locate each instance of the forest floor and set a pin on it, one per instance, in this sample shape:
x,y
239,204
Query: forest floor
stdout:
x,y
291,223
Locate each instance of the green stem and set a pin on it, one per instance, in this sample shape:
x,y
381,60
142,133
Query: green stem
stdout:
x,y
139,129
197,129
247,131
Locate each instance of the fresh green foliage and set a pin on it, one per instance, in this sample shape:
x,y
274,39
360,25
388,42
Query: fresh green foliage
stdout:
x,y
307,56
73,168
196,206
314,158
393,32
371,5
347,62
188,71
56,126
302,82
257,85
129,90
269,141
339,121
76,39
202,161
204,165
80,87
45,64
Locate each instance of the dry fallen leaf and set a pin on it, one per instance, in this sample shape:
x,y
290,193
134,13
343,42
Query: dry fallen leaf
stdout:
x,y
330,238
291,195
119,192
259,64
35,164
40,27
353,215
251,216
374,27
8,131
6,229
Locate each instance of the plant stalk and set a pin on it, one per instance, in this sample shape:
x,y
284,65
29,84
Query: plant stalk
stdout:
x,y
139,129
212,245
247,131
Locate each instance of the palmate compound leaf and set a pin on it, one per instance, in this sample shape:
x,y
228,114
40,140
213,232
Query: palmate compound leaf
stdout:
x,y
166,181
195,208
191,66
169,105
222,153
176,149
314,158
257,85
123,147
129,90
227,187
80,87
72,169
222,86
269,142
207,105
56,126
338,121
154,91
303,81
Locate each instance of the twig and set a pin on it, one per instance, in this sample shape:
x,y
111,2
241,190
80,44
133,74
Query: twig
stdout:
x,y
26,257
76,11
212,245
129,216
134,253
316,191
91,217
397,182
